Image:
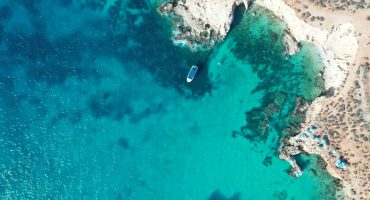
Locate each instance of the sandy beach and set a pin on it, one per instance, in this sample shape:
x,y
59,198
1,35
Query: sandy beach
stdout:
x,y
341,33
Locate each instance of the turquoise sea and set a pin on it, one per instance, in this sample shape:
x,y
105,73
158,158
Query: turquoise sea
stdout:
x,y
94,104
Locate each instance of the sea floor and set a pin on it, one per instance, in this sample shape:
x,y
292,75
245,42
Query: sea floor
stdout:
x,y
94,104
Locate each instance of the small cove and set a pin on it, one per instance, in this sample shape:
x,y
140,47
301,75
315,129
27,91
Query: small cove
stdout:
x,y
101,110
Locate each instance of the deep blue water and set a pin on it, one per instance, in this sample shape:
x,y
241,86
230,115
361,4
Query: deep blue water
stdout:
x,y
94,104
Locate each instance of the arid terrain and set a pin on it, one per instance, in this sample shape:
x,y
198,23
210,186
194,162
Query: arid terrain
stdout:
x,y
337,125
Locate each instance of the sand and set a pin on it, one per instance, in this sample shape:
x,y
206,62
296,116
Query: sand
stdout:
x,y
337,45
343,39
346,113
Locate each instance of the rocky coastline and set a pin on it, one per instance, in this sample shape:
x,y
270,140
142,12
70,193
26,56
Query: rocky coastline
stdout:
x,y
196,23
336,125
292,46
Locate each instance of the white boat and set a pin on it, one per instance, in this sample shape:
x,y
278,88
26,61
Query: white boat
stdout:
x,y
193,70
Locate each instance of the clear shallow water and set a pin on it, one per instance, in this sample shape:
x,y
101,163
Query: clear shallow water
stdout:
x,y
94,105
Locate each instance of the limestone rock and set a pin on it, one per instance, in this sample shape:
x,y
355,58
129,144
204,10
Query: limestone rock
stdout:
x,y
209,20
292,46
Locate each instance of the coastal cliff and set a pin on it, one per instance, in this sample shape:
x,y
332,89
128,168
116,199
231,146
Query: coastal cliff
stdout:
x,y
201,21
337,134
206,21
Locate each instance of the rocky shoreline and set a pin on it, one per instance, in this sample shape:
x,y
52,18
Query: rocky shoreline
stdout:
x,y
292,46
194,32
335,123
196,23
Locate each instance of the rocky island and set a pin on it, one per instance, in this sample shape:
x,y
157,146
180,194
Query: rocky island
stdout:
x,y
337,124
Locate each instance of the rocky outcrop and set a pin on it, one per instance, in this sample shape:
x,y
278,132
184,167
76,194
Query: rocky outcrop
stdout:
x,y
205,21
337,46
209,20
201,21
286,151
292,46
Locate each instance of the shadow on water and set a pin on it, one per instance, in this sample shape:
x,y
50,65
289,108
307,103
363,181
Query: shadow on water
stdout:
x,y
302,162
217,195
200,80
65,56
238,16
5,12
258,37
156,51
